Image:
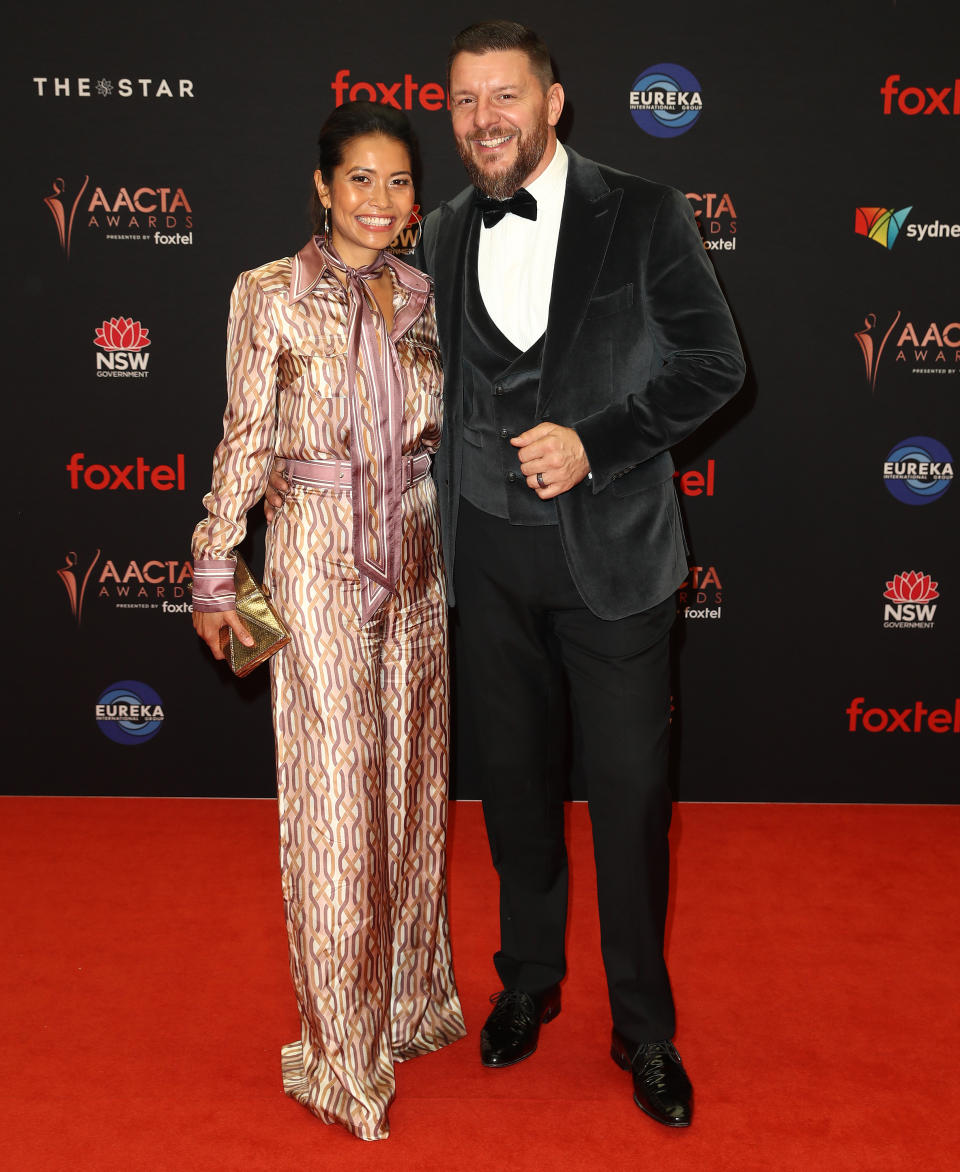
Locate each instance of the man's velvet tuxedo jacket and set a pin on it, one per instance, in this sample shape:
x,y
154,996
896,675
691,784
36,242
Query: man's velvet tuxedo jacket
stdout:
x,y
640,349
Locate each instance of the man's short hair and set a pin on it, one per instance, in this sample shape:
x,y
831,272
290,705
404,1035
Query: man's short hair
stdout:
x,y
492,36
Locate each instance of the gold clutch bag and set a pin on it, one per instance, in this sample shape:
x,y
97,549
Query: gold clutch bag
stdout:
x,y
260,618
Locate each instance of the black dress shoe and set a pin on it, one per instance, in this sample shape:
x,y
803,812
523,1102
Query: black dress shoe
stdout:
x,y
511,1031
660,1084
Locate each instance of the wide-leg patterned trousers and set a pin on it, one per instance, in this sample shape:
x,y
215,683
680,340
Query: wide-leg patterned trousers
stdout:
x,y
361,726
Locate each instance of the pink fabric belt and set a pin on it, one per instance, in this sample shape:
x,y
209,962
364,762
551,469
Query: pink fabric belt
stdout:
x,y
336,473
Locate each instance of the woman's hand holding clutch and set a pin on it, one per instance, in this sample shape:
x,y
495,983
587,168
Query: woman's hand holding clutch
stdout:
x,y
208,625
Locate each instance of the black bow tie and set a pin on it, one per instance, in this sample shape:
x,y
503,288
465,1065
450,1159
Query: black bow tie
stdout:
x,y
521,203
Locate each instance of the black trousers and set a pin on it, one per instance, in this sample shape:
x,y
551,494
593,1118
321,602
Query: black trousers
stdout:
x,y
523,628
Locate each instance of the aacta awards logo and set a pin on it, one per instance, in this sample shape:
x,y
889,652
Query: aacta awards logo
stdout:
x,y
910,604
915,719
133,477
129,712
918,470
917,347
122,342
912,100
105,87
158,215
716,219
666,100
701,595
929,347
128,584
400,94
75,579
873,340
881,225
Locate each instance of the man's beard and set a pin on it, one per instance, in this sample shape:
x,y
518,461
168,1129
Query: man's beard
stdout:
x,y
502,184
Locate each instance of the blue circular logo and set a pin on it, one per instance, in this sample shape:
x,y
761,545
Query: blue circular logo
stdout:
x,y
129,712
665,100
918,470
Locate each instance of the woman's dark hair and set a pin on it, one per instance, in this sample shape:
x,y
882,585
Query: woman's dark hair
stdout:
x,y
497,35
353,120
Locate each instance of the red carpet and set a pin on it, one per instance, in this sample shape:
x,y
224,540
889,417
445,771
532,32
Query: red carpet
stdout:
x,y
813,949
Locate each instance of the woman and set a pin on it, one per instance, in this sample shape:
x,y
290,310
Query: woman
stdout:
x,y
333,365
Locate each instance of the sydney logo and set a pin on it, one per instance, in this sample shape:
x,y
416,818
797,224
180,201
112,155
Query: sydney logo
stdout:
x,y
882,225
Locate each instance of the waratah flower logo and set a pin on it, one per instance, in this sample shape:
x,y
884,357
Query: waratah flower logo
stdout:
x,y
121,333
911,586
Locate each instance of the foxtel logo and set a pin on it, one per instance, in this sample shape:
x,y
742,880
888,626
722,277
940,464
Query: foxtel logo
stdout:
x,y
913,100
429,95
132,477
909,720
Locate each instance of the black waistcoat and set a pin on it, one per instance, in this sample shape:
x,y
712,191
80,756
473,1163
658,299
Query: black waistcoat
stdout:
x,y
500,389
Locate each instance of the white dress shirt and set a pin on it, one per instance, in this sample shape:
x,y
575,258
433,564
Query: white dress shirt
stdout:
x,y
516,257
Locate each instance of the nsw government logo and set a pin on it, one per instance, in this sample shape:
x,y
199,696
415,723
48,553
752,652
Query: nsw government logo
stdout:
x,y
909,602
918,470
666,100
129,712
122,342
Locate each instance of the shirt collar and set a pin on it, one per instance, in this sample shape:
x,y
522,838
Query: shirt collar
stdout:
x,y
549,186
309,267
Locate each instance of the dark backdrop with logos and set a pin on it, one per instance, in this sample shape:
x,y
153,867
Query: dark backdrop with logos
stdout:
x,y
157,152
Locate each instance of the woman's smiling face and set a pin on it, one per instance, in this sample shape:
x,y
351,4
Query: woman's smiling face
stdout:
x,y
370,196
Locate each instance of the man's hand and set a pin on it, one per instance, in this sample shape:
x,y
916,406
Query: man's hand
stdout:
x,y
207,624
554,452
277,488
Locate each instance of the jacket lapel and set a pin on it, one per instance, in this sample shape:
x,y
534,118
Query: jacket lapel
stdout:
x,y
447,264
590,211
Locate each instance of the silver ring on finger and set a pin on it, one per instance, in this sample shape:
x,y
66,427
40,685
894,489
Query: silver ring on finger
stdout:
x,y
540,480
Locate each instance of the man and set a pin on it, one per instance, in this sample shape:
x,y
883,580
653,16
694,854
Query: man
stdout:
x,y
583,334
578,346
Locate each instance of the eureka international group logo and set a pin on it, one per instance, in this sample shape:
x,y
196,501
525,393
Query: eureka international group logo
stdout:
x,y
129,712
666,100
918,470
122,343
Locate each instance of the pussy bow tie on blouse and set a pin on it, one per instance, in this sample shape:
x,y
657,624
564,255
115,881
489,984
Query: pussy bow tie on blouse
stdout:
x,y
521,203
376,436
